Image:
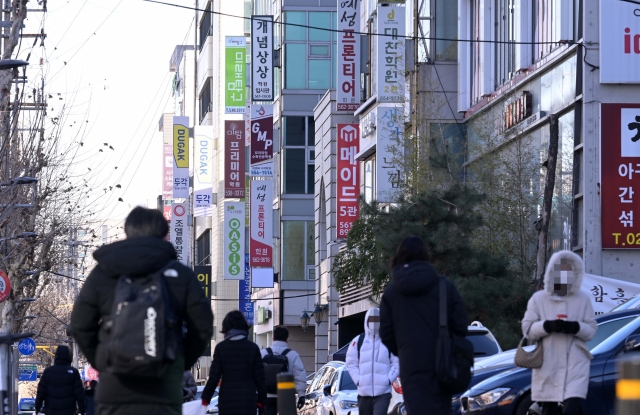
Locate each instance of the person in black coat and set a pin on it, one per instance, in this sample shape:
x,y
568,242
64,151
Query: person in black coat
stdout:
x,y
60,388
143,252
409,313
238,363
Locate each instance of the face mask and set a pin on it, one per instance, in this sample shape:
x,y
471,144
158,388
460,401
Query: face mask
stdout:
x,y
373,321
373,327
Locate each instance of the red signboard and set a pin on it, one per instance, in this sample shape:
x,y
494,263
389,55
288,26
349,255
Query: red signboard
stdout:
x,y
348,177
261,241
234,159
5,286
620,173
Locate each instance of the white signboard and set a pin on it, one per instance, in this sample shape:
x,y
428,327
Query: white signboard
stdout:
x,y
180,157
234,240
261,243
619,42
262,58
607,293
390,53
389,131
202,171
180,231
261,277
348,98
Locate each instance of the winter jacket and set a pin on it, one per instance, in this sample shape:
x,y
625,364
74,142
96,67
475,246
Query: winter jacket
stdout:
x,y
88,394
189,387
295,366
140,257
409,328
60,387
566,359
239,364
376,368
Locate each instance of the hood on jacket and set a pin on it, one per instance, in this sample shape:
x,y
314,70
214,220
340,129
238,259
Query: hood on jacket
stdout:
x,y
135,256
371,328
414,278
63,356
554,270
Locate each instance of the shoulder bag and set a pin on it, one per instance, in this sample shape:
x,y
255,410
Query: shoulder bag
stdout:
x,y
529,360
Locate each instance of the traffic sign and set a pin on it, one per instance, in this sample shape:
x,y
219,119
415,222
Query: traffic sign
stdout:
x,y
5,286
27,346
28,373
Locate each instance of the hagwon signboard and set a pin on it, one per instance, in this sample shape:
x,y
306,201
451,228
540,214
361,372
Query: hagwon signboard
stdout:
x,y
619,41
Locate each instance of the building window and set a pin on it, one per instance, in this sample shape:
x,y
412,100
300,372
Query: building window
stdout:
x,y
206,27
299,155
446,28
369,167
298,250
203,248
204,101
505,53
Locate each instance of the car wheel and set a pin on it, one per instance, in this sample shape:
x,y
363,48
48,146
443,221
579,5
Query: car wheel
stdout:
x,y
523,405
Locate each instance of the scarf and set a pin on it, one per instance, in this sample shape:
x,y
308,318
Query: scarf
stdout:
x,y
235,334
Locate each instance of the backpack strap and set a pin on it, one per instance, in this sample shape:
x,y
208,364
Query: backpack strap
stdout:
x,y
269,351
360,341
284,352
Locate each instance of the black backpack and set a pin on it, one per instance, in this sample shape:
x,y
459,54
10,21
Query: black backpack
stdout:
x,y
274,364
142,329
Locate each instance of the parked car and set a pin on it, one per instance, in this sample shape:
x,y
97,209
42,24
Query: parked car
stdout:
x,y
331,392
633,302
484,343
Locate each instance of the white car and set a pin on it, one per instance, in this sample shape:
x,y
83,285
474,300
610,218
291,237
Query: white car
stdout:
x,y
331,392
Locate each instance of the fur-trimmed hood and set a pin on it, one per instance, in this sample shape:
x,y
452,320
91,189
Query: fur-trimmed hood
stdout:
x,y
576,264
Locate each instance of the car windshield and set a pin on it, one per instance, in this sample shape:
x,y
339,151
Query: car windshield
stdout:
x,y
346,383
617,338
633,302
607,328
483,343
28,406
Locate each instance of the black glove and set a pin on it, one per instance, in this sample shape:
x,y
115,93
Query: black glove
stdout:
x,y
554,326
571,327
301,401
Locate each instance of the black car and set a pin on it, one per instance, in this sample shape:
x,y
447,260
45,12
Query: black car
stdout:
x,y
509,392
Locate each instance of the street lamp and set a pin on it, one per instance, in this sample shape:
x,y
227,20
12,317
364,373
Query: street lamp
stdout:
x,y
317,312
304,320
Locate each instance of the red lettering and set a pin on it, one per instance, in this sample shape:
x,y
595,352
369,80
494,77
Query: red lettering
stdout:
x,y
636,44
627,41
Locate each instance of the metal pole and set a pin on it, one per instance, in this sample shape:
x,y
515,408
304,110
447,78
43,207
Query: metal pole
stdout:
x,y
628,387
286,394
4,377
13,401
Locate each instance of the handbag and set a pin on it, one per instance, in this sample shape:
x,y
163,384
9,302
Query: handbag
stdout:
x,y
529,360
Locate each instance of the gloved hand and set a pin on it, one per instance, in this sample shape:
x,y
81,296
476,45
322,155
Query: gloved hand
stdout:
x,y
571,327
301,401
554,326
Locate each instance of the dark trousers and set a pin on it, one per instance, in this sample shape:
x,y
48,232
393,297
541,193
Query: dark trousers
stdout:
x,y
272,406
374,405
570,406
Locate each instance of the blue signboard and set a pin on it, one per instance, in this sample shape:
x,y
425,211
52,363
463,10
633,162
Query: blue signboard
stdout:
x,y
27,346
28,373
245,305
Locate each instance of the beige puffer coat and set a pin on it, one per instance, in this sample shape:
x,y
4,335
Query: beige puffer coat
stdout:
x,y
565,370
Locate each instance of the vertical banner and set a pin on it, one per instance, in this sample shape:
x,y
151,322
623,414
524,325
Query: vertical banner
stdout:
x,y
202,171
620,171
348,177
348,98
261,241
247,201
234,160
203,273
262,140
262,58
235,78
233,240
180,231
180,157
389,131
167,171
390,54
245,305
246,117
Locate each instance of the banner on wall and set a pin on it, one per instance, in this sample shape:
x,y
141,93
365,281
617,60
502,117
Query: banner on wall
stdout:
x,y
167,171
180,231
234,160
202,171
262,140
234,252
607,293
262,58
389,175
180,157
619,42
235,74
348,177
391,53
245,305
348,91
261,229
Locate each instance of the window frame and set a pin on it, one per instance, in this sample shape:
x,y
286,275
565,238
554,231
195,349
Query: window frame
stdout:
x,y
306,147
309,248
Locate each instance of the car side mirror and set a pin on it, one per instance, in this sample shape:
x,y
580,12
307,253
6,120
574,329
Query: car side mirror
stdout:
x,y
327,390
632,343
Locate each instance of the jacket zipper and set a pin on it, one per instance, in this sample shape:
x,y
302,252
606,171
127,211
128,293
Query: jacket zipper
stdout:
x,y
373,365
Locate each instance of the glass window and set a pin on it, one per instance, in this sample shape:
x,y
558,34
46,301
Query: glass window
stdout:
x,y
294,170
483,344
294,131
320,19
316,380
446,28
293,255
295,70
311,139
346,383
295,32
319,74
311,243
606,329
319,50
334,65
369,167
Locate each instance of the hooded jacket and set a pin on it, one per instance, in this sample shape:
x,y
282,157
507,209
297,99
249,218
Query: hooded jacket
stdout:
x,y
189,387
140,257
566,359
295,366
377,367
60,388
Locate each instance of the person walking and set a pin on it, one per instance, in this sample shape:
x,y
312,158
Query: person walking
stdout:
x,y
294,365
562,317
236,361
142,255
89,393
60,390
189,387
372,367
409,313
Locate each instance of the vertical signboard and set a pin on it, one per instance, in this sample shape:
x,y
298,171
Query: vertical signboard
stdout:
x,y
245,305
233,240
619,42
348,98
262,58
261,241
390,53
348,177
180,157
202,170
389,176
620,172
235,77
247,201
167,171
262,140
203,273
246,117
234,159
179,231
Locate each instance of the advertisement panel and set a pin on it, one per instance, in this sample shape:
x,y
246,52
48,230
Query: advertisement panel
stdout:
x,y
262,58
180,232
348,177
620,171
348,98
390,53
262,278
619,42
202,170
245,305
180,157
262,140
234,160
233,240
167,171
246,117
203,273
261,241
389,175
235,74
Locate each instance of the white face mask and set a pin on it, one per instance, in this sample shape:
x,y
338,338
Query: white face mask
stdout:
x,y
373,321
373,327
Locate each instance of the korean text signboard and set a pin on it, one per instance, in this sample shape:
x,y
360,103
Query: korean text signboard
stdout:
x,y
27,373
234,159
167,171
389,130
390,53
235,77
348,177
262,140
607,293
233,240
180,157
619,42
348,98
261,242
620,172
262,58
179,231
202,170
245,305
203,273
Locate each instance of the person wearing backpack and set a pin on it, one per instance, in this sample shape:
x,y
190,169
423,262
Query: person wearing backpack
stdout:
x,y
60,388
278,359
372,367
128,320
